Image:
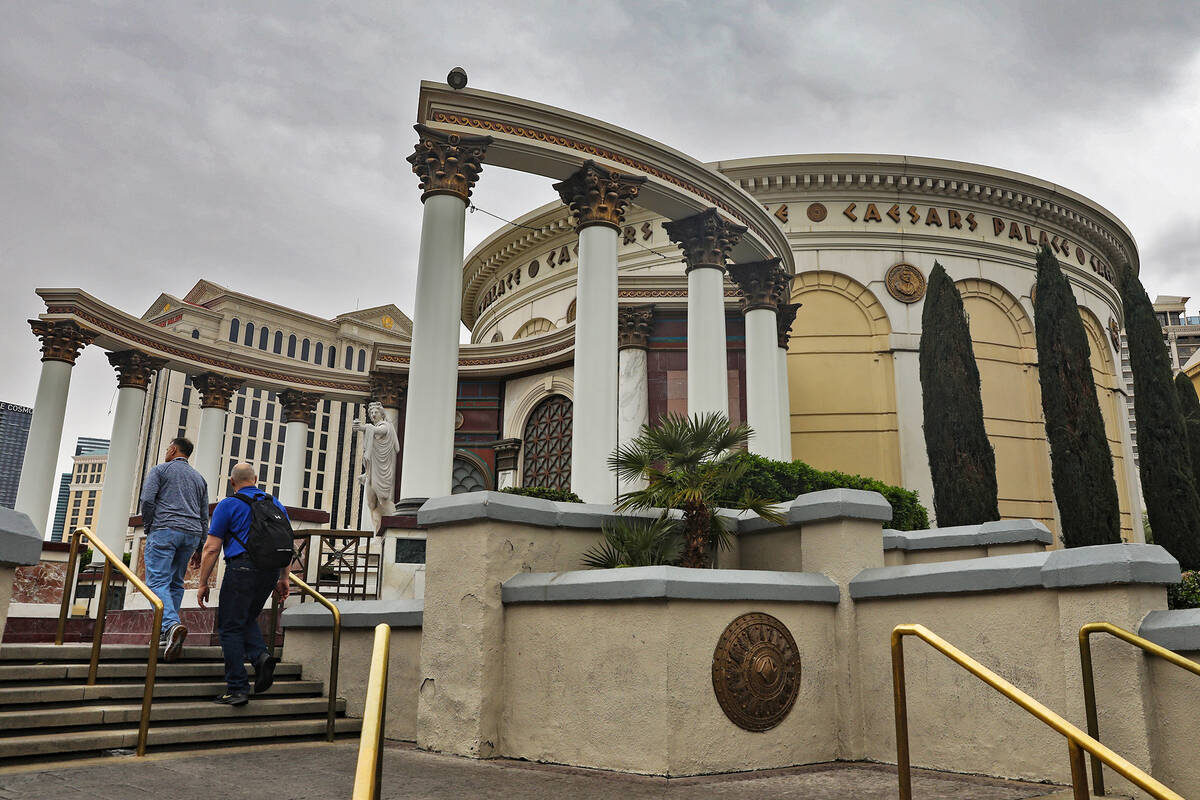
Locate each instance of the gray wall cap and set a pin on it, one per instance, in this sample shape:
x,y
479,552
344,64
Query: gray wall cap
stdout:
x,y
356,614
1013,531
839,503
1081,566
1175,630
661,583
20,540
488,505
1008,531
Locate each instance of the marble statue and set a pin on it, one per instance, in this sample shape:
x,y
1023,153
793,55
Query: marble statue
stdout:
x,y
380,446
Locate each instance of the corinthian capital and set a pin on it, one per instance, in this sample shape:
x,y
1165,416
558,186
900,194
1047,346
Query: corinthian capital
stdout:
x,y
448,163
298,406
784,318
598,196
704,238
215,390
634,324
388,388
134,368
61,341
764,284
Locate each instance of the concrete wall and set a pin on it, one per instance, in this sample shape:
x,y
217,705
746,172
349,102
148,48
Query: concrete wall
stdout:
x,y
1175,718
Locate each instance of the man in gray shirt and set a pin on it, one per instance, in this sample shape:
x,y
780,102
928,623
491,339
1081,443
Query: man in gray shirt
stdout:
x,y
174,505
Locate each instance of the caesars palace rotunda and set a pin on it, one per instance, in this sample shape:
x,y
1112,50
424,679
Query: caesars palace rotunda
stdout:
x,y
786,290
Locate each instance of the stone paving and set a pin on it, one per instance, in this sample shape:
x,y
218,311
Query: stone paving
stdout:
x,y
326,772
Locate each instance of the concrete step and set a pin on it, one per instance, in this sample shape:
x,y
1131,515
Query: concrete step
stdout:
x,y
12,673
49,653
19,722
80,693
250,729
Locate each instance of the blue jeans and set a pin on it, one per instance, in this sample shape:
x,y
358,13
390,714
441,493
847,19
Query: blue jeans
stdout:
x,y
244,591
167,554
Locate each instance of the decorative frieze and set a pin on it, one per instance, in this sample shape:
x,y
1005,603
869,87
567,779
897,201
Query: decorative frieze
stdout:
x,y
134,368
634,324
61,341
705,238
763,284
215,389
298,406
447,163
598,196
388,389
785,315
507,452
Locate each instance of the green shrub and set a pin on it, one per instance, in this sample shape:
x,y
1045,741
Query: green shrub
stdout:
x,y
1186,593
780,481
544,493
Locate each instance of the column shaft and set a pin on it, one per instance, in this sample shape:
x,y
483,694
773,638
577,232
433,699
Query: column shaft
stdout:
x,y
112,519
594,421
708,371
785,406
914,458
762,383
634,409
433,370
295,447
210,440
41,448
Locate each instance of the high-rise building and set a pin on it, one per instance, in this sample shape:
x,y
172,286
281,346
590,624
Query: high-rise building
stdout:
x,y
14,431
86,487
84,445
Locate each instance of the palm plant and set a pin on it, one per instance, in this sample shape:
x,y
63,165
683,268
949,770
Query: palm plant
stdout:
x,y
636,542
685,463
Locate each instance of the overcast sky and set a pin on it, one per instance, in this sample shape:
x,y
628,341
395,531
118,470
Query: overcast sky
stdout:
x,y
261,145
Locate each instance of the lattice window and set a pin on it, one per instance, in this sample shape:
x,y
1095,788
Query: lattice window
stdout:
x,y
535,326
547,444
467,477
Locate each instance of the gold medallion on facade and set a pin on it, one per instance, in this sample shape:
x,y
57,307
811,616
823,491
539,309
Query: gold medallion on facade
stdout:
x,y
906,283
817,212
756,672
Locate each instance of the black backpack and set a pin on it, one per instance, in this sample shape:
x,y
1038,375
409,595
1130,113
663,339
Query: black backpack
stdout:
x,y
269,541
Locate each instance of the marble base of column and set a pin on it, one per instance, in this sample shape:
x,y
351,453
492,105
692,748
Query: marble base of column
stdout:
x,y
762,383
41,446
112,519
707,370
633,404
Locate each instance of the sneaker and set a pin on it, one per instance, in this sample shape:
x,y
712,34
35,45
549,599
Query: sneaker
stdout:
x,y
232,699
264,672
175,637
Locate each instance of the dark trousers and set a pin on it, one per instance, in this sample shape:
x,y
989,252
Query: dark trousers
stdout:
x,y
244,591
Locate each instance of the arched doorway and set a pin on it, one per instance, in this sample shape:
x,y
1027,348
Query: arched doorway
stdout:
x,y
546,444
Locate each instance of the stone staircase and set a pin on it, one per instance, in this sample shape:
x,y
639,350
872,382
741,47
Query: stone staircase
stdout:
x,y
47,710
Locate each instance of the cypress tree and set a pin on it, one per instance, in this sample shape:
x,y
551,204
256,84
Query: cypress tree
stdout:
x,y
1189,404
1080,460
961,460
1163,458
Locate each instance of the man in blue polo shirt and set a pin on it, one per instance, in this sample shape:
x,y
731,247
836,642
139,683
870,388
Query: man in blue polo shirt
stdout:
x,y
244,590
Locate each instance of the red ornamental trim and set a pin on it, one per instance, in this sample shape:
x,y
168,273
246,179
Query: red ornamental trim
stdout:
x,y
212,362
590,149
639,293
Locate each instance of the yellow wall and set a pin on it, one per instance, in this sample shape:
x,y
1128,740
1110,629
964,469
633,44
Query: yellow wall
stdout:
x,y
1112,408
843,394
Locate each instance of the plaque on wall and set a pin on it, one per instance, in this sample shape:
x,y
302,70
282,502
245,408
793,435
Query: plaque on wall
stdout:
x,y
1114,333
906,283
817,212
756,672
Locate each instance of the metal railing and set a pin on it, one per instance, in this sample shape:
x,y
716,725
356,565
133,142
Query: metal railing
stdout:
x,y
368,777
334,653
1077,741
111,560
1089,681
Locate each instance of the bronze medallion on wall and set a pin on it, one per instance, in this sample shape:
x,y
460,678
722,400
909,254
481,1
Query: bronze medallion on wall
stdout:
x,y
1114,333
817,212
458,420
906,283
756,672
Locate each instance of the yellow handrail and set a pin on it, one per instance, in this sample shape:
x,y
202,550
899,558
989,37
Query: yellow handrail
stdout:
x,y
1089,681
110,561
335,651
368,777
1077,740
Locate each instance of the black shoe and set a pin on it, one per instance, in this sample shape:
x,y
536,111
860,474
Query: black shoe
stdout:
x,y
264,672
232,699
175,637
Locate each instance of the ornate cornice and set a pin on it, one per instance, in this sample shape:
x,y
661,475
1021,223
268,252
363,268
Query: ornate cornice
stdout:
x,y
298,406
447,163
784,317
507,452
598,196
705,238
763,284
215,389
134,368
388,389
634,324
61,341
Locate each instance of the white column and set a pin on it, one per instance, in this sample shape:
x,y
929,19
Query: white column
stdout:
x,y
708,369
762,383
295,447
428,459
41,448
594,416
210,440
914,458
785,406
634,402
112,519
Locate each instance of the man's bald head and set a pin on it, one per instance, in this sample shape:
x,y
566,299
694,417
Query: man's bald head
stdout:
x,y
243,475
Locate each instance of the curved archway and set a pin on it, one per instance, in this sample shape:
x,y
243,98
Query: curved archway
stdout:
x,y
469,474
845,420
534,327
546,444
571,313
1005,348
1112,409
497,337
